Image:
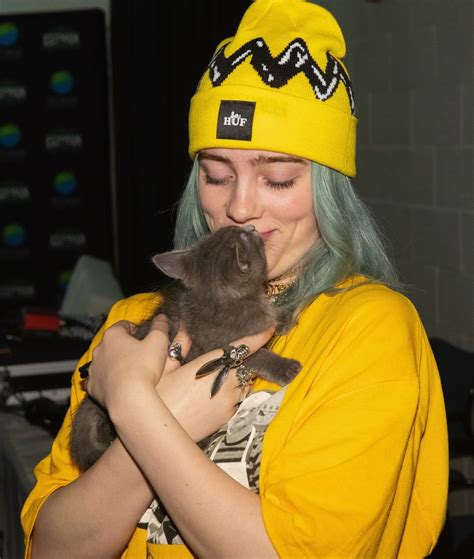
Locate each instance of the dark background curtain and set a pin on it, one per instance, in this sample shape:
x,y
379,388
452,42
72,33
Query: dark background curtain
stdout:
x,y
159,52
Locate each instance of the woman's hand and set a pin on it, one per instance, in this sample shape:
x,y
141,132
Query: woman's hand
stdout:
x,y
189,399
120,361
121,364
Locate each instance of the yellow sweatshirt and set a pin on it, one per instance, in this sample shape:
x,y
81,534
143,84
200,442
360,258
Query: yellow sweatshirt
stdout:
x,y
355,463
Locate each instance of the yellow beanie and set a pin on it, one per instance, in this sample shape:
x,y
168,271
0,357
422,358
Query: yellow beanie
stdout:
x,y
279,85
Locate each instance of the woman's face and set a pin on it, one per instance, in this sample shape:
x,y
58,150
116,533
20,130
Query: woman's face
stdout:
x,y
269,190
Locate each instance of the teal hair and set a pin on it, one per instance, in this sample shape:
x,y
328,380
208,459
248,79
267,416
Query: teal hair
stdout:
x,y
190,223
350,243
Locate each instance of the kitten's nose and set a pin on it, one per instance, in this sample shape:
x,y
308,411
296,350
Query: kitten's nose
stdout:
x,y
248,232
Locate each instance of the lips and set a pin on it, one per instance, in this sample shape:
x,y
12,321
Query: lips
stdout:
x,y
267,234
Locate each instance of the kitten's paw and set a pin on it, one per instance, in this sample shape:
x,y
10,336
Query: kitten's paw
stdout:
x,y
292,368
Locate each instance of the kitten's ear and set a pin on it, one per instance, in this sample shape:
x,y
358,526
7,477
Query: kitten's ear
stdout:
x,y
171,263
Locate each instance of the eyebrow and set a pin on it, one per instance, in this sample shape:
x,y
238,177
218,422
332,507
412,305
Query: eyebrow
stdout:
x,y
260,160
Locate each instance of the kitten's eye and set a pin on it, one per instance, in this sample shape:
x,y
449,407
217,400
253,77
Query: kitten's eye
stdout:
x,y
280,185
241,262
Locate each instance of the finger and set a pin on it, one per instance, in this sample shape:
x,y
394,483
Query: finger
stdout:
x,y
183,339
160,324
158,332
256,341
157,336
122,326
178,350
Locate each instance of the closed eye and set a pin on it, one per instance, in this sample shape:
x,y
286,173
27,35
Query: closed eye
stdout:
x,y
272,184
212,180
279,185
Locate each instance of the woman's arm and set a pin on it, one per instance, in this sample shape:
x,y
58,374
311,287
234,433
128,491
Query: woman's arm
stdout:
x,y
215,515
95,515
67,514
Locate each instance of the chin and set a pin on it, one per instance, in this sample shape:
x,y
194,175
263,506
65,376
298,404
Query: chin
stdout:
x,y
276,271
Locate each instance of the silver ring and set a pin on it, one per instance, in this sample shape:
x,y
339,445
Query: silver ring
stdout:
x,y
238,354
174,352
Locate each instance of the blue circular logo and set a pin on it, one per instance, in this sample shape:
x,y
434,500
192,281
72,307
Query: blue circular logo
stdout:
x,y
64,279
8,34
65,183
61,82
13,235
10,135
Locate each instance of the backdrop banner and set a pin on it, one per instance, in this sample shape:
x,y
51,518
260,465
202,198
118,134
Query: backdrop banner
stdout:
x,y
55,192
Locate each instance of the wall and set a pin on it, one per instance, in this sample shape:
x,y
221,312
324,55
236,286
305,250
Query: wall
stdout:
x,y
411,63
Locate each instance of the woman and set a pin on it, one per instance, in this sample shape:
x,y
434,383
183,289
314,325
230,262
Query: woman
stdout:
x,y
349,459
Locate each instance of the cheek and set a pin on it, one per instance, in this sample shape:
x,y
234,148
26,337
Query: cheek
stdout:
x,y
308,226
296,207
301,226
210,204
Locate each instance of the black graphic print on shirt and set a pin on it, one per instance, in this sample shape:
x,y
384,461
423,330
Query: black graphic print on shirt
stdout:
x,y
236,448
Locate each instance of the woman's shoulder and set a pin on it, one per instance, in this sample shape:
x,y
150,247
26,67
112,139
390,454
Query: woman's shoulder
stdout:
x,y
358,298
360,324
362,291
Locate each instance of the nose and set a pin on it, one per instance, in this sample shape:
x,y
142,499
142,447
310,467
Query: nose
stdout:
x,y
244,204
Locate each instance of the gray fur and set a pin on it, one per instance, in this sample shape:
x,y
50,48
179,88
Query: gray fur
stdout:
x,y
219,297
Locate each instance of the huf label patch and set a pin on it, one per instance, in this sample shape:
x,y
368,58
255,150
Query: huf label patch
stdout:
x,y
235,121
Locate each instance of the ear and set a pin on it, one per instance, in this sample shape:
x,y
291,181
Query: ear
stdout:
x,y
171,263
242,263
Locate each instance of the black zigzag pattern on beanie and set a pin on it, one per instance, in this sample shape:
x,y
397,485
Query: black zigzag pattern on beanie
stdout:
x,y
276,72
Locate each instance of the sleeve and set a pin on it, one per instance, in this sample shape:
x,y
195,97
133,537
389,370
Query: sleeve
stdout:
x,y
57,469
344,469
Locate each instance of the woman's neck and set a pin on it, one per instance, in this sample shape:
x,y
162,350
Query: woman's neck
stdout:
x,y
280,284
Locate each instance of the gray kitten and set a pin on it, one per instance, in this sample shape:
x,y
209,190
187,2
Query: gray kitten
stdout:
x,y
220,297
